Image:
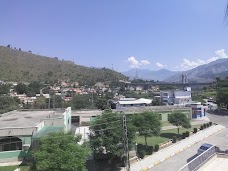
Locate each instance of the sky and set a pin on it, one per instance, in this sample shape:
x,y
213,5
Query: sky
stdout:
x,y
149,34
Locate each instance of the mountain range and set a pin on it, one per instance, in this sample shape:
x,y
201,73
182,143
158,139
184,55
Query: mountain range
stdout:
x,y
203,73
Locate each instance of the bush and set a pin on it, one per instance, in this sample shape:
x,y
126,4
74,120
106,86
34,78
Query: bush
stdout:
x,y
156,147
201,127
183,135
174,139
204,126
187,133
210,123
149,150
195,130
141,153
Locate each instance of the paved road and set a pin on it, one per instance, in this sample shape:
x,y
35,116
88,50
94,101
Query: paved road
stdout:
x,y
177,161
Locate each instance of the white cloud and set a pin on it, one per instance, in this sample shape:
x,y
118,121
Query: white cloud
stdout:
x,y
134,63
187,64
145,62
160,65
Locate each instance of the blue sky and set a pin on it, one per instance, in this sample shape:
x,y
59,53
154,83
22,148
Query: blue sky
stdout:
x,y
175,35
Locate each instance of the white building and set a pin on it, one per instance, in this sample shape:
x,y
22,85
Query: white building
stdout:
x,y
130,102
178,97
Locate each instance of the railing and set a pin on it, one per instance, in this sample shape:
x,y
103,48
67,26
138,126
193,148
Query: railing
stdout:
x,y
199,160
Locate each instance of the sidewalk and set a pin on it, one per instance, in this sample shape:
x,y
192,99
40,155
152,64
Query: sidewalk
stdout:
x,y
166,153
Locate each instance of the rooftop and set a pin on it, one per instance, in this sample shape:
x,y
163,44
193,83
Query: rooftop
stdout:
x,y
30,118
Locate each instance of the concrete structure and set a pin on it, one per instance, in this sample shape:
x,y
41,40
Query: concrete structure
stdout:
x,y
84,116
217,162
19,130
129,102
179,97
198,110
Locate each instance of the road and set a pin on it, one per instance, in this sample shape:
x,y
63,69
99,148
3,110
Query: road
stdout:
x,y
179,160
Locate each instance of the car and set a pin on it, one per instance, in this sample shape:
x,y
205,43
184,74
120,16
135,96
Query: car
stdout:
x,y
203,148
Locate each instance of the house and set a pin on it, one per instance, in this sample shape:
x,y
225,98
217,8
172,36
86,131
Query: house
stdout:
x,y
176,97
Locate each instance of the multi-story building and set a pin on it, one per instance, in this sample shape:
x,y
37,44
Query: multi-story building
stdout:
x,y
176,97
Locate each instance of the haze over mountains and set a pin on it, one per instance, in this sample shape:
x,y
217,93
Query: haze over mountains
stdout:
x,y
147,74
201,74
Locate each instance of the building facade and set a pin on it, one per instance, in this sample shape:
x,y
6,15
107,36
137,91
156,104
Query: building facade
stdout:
x,y
176,97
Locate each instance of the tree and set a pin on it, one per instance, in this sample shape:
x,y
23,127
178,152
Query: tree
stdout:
x,y
107,133
148,124
60,152
21,88
4,88
8,46
179,119
101,104
40,103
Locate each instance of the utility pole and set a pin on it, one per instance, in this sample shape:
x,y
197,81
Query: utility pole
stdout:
x,y
125,142
92,99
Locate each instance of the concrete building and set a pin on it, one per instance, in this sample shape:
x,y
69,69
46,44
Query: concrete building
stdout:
x,y
198,110
176,97
132,102
19,130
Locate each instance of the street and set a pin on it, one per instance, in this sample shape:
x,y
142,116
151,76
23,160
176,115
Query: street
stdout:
x,y
179,160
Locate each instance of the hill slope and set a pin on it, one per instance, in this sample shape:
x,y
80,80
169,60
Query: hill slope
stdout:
x,y
147,74
23,66
204,73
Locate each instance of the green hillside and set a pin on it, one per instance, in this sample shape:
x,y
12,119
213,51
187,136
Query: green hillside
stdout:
x,y
23,66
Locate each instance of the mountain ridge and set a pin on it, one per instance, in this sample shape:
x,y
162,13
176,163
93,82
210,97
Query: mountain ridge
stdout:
x,y
24,66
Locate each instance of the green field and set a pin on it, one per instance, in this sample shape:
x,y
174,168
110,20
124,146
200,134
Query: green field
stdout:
x,y
164,136
12,168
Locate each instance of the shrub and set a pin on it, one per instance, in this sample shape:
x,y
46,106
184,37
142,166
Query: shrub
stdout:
x,y
156,147
195,130
141,153
174,139
201,127
210,123
187,133
204,126
183,135
149,150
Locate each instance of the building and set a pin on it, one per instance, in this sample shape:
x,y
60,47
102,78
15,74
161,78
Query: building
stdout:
x,y
176,97
20,130
131,102
198,110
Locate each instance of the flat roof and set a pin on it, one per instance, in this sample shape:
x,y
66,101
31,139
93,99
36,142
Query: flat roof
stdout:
x,y
216,164
20,119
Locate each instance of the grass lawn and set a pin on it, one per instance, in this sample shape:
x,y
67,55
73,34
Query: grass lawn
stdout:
x,y
12,168
164,136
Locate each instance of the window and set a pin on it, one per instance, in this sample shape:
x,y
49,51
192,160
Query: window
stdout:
x,y
10,144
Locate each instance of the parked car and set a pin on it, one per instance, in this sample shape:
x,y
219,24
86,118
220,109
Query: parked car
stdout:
x,y
203,148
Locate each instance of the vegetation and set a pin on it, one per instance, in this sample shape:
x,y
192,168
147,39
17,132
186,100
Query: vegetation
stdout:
x,y
179,119
12,168
4,89
148,124
60,152
8,104
31,67
107,133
